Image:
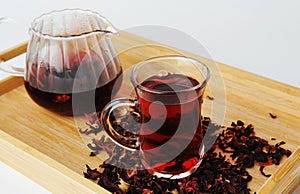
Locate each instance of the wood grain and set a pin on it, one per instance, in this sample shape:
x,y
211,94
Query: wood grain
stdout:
x,y
13,51
285,179
9,84
237,95
42,169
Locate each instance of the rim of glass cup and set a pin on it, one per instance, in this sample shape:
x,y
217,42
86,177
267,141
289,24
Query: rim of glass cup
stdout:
x,y
175,57
32,28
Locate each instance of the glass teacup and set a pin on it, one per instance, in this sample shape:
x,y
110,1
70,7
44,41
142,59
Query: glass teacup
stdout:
x,y
169,92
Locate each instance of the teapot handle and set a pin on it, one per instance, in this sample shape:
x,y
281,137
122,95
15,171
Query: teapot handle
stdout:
x,y
13,53
14,71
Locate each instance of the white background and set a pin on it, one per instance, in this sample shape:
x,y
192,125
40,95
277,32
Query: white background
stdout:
x,y
260,36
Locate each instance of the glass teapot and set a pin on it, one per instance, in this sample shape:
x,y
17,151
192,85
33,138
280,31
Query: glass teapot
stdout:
x,y
71,63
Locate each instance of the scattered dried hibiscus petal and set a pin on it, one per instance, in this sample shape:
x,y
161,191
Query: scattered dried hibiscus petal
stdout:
x,y
92,154
272,116
92,174
261,169
215,174
248,148
210,97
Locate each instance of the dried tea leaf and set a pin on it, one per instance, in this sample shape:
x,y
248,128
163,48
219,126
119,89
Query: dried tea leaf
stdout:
x,y
216,173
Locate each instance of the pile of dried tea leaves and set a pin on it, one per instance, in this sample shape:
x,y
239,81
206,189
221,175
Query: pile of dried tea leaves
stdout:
x,y
218,173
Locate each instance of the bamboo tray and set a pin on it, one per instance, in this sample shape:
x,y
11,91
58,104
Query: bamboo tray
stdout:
x,y
48,148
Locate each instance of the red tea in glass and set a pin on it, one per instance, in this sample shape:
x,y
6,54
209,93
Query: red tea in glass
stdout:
x,y
174,145
169,92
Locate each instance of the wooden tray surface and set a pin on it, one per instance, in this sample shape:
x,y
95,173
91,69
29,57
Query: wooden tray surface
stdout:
x,y
49,149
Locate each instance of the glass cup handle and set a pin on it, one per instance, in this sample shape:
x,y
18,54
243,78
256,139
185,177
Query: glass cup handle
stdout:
x,y
115,110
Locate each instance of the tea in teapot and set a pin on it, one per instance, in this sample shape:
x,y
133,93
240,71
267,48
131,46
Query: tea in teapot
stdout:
x,y
71,63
